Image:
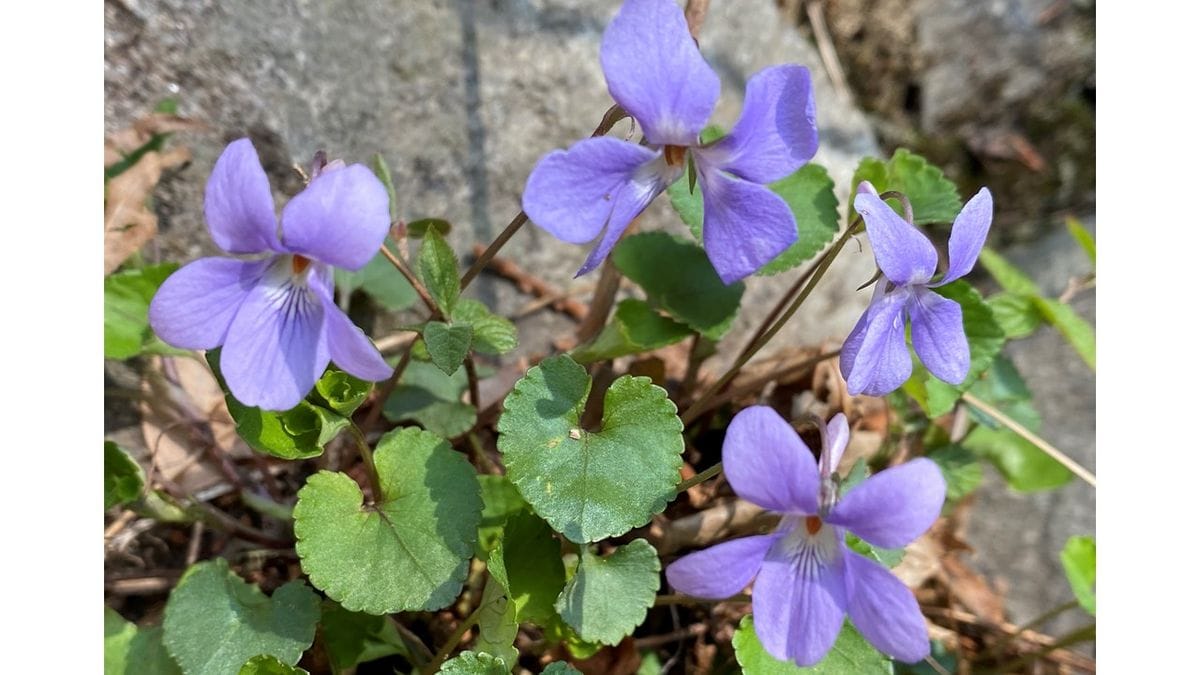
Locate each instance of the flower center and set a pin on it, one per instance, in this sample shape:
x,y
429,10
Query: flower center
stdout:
x,y
299,264
674,154
812,524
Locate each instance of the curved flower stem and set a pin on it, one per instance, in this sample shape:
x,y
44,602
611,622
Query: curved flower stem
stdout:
x,y
611,117
698,407
1056,454
472,381
455,638
700,477
388,387
419,287
368,461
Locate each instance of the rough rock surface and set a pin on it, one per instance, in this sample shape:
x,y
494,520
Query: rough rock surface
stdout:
x,y
461,98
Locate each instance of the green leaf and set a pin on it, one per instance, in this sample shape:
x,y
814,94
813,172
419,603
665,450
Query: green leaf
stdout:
x,y
650,664
448,344
850,655
343,392
127,296
1077,332
439,271
856,475
687,289
123,478
590,484
1085,239
529,564
985,339
353,637
265,664
563,668
888,557
215,622
608,597
1016,314
408,550
960,469
497,624
432,399
492,334
473,663
384,173
418,228
381,281
129,650
500,500
635,328
1008,275
1079,561
934,197
808,193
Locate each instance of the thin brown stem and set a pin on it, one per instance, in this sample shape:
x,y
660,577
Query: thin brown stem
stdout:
x,y
452,642
1017,428
386,390
998,647
472,381
756,384
412,280
682,599
602,301
368,459
699,478
779,307
611,117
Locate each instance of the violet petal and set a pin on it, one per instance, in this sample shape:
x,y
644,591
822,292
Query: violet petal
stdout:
x,y
238,205
766,463
878,363
904,254
349,347
341,218
720,571
745,225
895,506
938,336
967,235
655,71
884,610
798,607
194,306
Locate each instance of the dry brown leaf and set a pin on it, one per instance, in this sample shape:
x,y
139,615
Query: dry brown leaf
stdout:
x,y
970,589
128,222
728,519
183,412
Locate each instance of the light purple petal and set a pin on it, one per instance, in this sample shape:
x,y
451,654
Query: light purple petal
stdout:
x,y
629,200
766,462
777,132
884,610
938,336
238,204
967,235
570,193
722,570
194,306
904,254
349,347
341,218
894,506
799,606
655,71
745,225
875,358
837,436
276,347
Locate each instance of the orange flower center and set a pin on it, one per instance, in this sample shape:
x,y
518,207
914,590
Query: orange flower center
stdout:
x,y
674,154
299,264
812,524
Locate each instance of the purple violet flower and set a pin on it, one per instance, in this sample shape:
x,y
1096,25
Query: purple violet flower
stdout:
x,y
806,578
655,72
874,358
275,316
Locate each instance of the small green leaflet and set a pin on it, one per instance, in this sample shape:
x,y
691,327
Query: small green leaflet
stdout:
x,y
491,334
215,622
265,664
688,288
1079,561
850,655
352,638
408,550
888,557
474,663
384,173
934,197
123,477
635,328
439,271
961,470
497,624
129,650
500,500
590,485
127,296
1016,314
608,597
1085,239
528,563
563,668
429,397
418,228
342,392
447,344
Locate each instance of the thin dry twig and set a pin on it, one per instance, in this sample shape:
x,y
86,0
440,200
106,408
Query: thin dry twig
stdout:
x,y
1017,428
829,57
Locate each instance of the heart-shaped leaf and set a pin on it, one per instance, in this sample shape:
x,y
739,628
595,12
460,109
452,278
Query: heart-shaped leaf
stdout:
x,y
448,344
590,484
409,549
529,565
608,597
129,650
934,197
215,622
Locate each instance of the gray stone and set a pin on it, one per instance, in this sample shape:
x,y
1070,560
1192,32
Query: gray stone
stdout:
x,y
461,98
1017,537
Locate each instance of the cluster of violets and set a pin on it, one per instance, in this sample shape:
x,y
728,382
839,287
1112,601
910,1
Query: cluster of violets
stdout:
x,y
275,317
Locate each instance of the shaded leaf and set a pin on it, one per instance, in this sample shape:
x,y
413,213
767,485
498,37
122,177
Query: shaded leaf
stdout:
x,y
418,228
985,339
608,596
380,280
529,564
635,328
960,469
123,477
409,548
1016,314
1078,558
439,271
129,650
432,399
1008,275
1077,331
850,655
497,624
351,638
500,500
590,484
266,664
